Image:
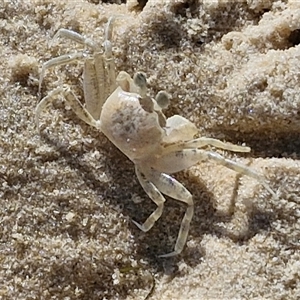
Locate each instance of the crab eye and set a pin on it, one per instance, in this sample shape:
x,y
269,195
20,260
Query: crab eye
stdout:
x,y
163,99
140,80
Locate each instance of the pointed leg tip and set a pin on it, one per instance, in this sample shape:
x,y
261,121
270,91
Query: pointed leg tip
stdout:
x,y
171,254
138,225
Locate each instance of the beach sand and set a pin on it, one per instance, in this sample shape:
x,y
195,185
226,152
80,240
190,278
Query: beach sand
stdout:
x,y
68,194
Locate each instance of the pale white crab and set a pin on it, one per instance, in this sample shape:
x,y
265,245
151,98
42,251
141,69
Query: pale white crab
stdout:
x,y
120,108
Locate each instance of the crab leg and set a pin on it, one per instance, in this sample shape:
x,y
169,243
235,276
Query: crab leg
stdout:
x,y
74,36
99,71
204,142
237,167
100,76
163,183
188,157
58,61
98,84
156,196
72,100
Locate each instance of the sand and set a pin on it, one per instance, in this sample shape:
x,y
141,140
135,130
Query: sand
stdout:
x,y
68,195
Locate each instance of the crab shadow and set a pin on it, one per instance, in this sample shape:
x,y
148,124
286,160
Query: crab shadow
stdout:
x,y
162,237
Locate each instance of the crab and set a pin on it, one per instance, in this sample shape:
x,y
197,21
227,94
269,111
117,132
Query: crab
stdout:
x,y
120,108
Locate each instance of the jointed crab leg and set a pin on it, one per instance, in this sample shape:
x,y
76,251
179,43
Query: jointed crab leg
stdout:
x,y
99,76
59,61
72,100
99,83
155,183
186,158
155,195
237,167
76,37
204,142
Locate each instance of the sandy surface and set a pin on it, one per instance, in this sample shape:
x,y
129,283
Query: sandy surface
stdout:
x,y
68,195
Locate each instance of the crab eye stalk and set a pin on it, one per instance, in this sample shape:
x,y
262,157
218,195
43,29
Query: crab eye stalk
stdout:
x,y
123,80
